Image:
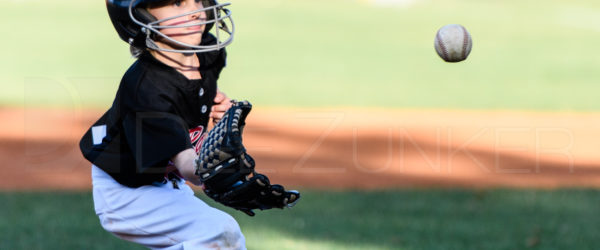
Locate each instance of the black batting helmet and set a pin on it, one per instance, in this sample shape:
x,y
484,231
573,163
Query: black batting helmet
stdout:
x,y
140,29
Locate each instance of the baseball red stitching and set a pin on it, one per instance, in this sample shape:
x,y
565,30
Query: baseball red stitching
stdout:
x,y
465,42
441,44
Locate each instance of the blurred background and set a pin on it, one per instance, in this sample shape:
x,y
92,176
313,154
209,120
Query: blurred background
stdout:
x,y
392,147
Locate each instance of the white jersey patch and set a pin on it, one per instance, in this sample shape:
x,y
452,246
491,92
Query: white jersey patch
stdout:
x,y
98,133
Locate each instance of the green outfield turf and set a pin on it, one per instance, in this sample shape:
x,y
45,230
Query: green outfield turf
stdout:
x,y
526,54
404,219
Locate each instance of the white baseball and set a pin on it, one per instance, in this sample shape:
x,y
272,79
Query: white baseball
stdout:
x,y
453,43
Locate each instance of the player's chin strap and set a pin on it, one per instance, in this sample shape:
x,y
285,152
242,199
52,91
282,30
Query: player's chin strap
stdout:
x,y
220,21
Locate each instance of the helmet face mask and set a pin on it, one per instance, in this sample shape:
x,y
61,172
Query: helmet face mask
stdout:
x,y
139,28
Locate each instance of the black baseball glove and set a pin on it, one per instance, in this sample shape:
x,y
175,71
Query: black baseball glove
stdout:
x,y
227,171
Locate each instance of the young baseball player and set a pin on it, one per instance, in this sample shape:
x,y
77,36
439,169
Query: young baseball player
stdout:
x,y
143,148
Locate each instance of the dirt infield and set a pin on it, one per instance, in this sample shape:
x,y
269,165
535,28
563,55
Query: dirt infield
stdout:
x,y
345,148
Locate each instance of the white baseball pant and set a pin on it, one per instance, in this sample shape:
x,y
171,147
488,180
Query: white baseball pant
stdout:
x,y
162,217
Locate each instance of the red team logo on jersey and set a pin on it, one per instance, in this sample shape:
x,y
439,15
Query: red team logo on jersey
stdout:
x,y
197,135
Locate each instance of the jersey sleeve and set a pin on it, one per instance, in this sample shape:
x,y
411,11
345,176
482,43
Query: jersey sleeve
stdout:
x,y
153,128
154,138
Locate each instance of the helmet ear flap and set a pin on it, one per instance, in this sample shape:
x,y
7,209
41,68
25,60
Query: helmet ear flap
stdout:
x,y
143,15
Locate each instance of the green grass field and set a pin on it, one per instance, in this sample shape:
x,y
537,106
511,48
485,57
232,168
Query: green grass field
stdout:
x,y
401,219
526,55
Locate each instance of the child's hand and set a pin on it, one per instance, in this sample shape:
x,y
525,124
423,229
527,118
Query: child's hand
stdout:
x,y
222,104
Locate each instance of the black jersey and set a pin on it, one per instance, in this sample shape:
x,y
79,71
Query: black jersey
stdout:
x,y
157,113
